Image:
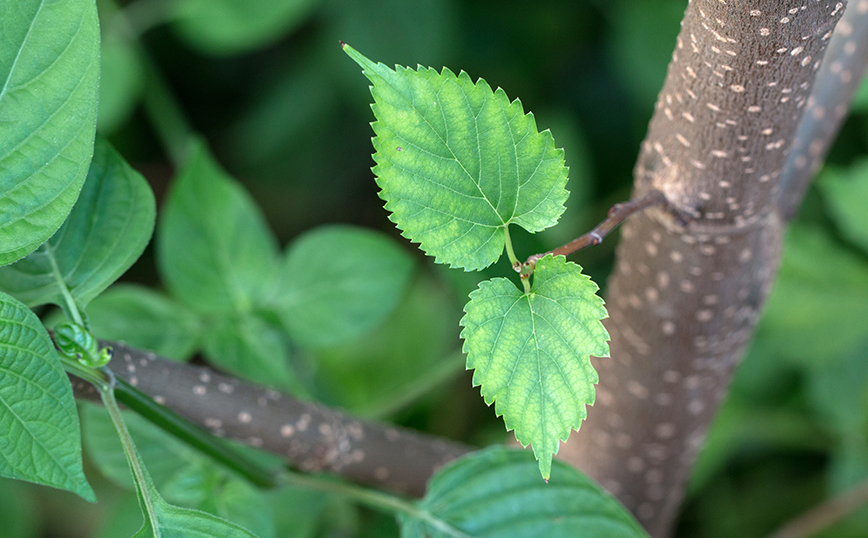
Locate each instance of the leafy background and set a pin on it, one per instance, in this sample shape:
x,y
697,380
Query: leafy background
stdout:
x,y
286,112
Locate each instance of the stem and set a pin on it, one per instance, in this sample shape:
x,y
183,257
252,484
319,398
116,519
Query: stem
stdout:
x,y
826,514
70,308
194,436
382,502
107,394
513,259
617,214
445,369
510,253
167,117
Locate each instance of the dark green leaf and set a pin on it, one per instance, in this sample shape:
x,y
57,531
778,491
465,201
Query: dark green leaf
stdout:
x,y
338,282
105,233
531,352
49,74
497,493
40,439
215,250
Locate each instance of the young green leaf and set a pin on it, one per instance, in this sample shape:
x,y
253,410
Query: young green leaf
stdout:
x,y
106,232
421,327
821,289
531,352
214,249
121,82
40,440
251,348
144,318
458,162
49,74
338,282
846,193
498,493
236,26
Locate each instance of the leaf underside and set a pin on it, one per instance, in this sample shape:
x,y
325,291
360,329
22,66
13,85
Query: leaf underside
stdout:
x,y
497,493
531,352
457,162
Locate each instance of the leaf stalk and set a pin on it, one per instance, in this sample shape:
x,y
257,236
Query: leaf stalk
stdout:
x,y
618,213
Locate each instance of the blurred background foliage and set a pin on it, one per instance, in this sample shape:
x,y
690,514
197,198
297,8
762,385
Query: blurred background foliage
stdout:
x,y
287,113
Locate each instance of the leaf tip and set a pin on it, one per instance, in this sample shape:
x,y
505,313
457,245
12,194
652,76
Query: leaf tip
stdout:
x,y
545,466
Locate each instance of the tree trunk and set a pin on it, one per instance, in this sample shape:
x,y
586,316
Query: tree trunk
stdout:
x,y
684,299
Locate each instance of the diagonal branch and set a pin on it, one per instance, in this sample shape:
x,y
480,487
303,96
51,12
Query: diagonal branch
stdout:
x,y
310,437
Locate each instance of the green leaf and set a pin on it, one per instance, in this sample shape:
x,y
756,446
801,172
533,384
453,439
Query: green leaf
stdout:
x,y
49,74
846,193
120,85
106,232
457,162
175,522
164,455
236,26
251,348
338,282
236,500
146,319
821,290
167,457
40,440
421,327
497,493
215,251
18,510
531,352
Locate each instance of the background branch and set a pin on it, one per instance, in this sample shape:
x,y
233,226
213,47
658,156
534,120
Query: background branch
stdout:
x,y
310,437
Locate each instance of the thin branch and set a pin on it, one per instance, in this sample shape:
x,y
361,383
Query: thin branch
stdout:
x,y
826,514
617,214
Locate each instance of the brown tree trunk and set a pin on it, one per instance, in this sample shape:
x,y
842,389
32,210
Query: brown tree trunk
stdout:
x,y
684,299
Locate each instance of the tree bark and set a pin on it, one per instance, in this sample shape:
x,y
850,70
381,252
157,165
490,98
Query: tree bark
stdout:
x,y
684,299
310,437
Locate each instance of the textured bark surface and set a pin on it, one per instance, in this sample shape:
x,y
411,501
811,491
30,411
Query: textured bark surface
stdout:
x,y
310,437
837,81
684,300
